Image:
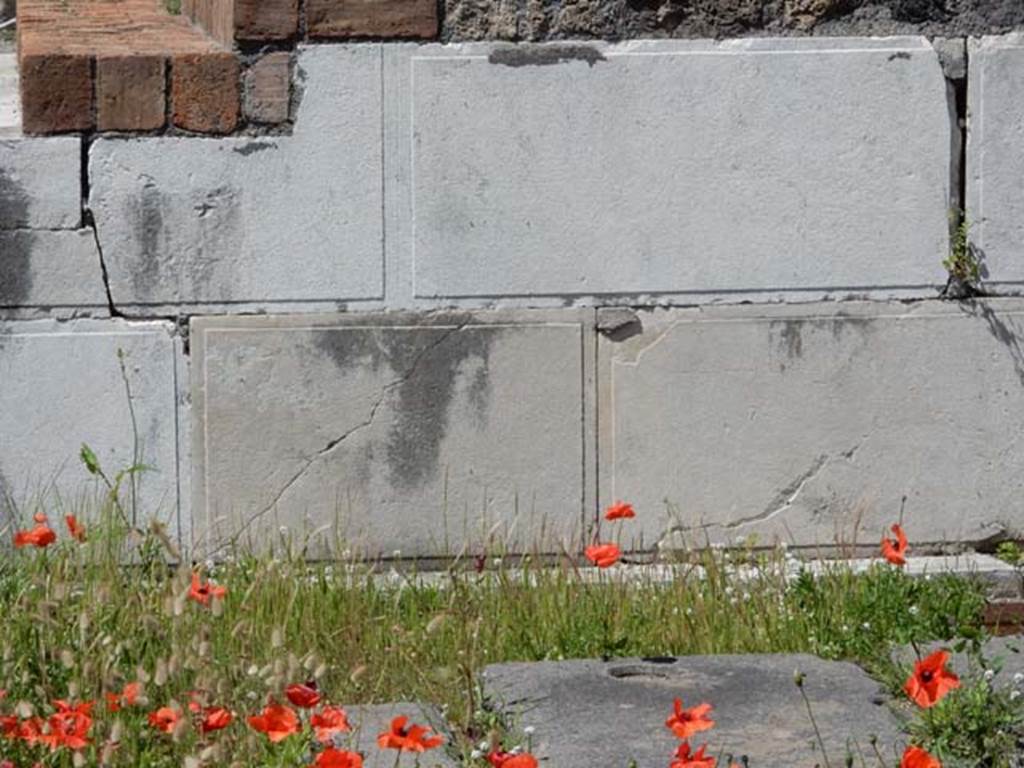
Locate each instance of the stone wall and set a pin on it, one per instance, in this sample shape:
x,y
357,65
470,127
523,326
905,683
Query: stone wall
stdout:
x,y
481,290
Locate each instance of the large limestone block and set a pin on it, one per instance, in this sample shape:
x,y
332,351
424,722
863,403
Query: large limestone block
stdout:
x,y
40,183
62,386
995,159
805,422
242,223
753,168
52,273
419,433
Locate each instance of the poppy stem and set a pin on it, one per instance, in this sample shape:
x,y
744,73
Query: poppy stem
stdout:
x,y
814,724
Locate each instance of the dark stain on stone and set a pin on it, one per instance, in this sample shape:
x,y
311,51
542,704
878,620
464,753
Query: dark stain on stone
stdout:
x,y
145,215
253,147
544,55
898,55
16,254
791,340
426,365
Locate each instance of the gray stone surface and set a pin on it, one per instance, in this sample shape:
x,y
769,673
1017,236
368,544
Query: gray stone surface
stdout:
x,y
10,101
1003,655
242,223
811,422
56,273
658,169
423,434
368,720
40,183
587,713
62,386
995,159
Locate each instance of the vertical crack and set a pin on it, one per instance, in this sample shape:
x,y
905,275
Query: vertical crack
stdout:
x,y
89,222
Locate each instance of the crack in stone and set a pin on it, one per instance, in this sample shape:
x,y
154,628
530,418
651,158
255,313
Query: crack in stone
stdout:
x,y
784,498
335,442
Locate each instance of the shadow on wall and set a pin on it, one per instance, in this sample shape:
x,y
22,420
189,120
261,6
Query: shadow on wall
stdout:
x,y
15,272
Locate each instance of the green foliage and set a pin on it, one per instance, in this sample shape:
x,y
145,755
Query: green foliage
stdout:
x,y
962,261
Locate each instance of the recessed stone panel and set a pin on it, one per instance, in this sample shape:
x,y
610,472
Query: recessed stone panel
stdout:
x,y
52,273
817,423
62,387
419,434
40,183
746,167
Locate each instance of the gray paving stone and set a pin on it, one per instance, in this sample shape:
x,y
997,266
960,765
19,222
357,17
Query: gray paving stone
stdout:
x,y
50,273
40,182
419,433
587,713
995,158
804,423
252,223
675,168
62,386
368,720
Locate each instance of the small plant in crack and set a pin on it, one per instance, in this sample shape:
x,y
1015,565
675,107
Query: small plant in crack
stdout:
x,y
962,263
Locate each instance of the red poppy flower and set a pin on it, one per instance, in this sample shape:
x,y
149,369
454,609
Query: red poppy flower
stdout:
x,y
931,680
69,726
30,731
603,555
895,550
277,721
512,760
619,511
75,528
329,721
41,536
337,758
686,722
304,696
8,726
685,759
414,738
202,593
215,718
165,719
915,757
128,697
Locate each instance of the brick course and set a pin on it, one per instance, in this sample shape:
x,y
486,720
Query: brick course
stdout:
x,y
371,18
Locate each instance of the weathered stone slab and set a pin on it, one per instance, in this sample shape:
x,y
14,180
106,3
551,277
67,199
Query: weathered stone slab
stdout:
x,y
40,183
10,100
368,720
62,386
271,222
57,273
656,169
587,713
418,433
995,159
805,423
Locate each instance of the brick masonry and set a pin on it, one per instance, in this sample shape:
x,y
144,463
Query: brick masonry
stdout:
x,y
371,18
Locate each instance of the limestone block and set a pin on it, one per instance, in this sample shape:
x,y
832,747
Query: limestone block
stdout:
x,y
40,183
805,423
63,387
57,273
995,160
679,168
252,222
425,434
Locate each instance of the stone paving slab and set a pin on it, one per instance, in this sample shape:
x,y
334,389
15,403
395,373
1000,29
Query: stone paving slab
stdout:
x,y
806,423
40,182
368,720
62,386
56,273
586,713
421,433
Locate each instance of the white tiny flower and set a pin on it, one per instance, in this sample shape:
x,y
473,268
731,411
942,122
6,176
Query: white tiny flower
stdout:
x,y
866,625
914,610
396,554
1018,678
476,754
528,730
252,695
497,562
1014,695
989,674
484,745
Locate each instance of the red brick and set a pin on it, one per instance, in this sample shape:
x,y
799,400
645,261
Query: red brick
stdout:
x,y
371,18
268,89
266,19
56,93
130,93
205,92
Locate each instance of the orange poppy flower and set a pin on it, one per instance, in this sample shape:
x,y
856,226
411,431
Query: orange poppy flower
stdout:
x,y
619,511
69,726
684,758
128,697
686,722
8,726
337,758
41,536
215,718
165,719
414,738
329,721
75,528
30,731
202,593
931,680
895,550
603,555
304,696
512,760
277,721
915,757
